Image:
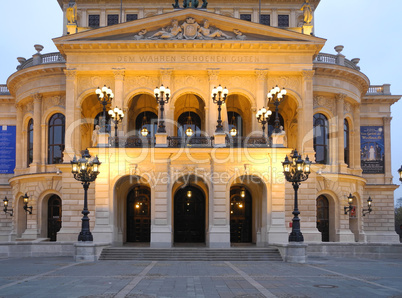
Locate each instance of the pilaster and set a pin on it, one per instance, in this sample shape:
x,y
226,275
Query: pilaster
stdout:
x,y
306,129
387,153
71,95
37,99
19,141
356,164
340,103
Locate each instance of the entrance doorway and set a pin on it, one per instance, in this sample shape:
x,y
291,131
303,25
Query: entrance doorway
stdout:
x,y
139,214
240,215
323,217
53,217
189,215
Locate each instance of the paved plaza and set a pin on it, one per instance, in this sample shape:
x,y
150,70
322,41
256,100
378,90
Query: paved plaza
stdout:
x,y
319,277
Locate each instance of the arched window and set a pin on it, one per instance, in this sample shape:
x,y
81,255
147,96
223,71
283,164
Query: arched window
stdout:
x,y
235,121
30,142
56,138
321,138
189,120
346,143
146,119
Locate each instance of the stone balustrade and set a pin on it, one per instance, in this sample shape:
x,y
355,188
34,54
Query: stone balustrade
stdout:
x,y
41,59
4,90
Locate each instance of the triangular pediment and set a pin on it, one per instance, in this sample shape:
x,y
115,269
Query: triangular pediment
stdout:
x,y
189,25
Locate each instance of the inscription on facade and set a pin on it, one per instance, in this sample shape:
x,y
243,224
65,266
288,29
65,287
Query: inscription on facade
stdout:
x,y
188,58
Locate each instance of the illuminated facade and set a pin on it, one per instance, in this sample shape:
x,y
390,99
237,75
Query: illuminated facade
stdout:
x,y
213,188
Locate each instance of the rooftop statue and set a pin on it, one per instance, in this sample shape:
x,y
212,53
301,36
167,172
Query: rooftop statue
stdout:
x,y
190,4
71,12
307,12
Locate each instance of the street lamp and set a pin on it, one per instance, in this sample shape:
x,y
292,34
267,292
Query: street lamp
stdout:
x,y
262,117
162,96
28,209
117,117
6,209
105,95
144,131
86,171
296,171
189,130
276,95
222,94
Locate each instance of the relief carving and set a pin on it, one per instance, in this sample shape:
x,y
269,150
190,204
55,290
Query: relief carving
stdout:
x,y
189,29
322,101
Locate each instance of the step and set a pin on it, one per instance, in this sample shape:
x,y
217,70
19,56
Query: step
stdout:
x,y
190,254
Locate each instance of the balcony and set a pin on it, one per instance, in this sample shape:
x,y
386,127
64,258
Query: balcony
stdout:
x,y
190,142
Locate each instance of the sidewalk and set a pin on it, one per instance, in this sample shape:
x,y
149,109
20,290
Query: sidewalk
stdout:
x,y
319,277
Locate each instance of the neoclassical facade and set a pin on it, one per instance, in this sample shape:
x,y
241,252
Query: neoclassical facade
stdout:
x,y
215,189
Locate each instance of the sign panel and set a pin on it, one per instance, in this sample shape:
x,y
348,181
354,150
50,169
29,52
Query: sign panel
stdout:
x,y
372,149
7,149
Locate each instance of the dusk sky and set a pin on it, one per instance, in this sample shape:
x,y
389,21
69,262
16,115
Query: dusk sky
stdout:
x,y
368,29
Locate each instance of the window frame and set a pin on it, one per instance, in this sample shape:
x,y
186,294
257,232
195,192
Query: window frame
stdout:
x,y
321,117
51,159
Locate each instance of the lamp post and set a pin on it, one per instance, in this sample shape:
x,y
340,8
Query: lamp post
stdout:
x,y
105,95
117,117
162,96
219,96
85,171
262,117
276,95
296,171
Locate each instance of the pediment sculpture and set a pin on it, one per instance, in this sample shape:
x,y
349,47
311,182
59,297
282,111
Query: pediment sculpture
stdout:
x,y
189,29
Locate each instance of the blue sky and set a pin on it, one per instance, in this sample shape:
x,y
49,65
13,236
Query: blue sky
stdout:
x,y
368,30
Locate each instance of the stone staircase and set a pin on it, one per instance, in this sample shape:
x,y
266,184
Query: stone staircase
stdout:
x,y
190,254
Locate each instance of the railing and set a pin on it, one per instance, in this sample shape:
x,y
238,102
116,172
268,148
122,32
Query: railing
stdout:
x,y
334,59
248,142
4,90
375,89
44,59
198,142
131,142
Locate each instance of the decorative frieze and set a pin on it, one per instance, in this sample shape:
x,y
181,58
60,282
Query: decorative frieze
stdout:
x,y
289,82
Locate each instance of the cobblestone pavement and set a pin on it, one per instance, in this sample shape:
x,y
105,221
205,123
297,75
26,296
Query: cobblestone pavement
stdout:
x,y
320,277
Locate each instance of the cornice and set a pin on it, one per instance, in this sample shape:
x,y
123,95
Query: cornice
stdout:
x,y
35,72
380,99
344,73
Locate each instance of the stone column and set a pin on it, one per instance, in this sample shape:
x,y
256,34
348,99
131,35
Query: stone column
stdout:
x,y
307,144
340,104
387,150
166,80
261,98
212,116
300,130
119,74
356,163
71,90
37,138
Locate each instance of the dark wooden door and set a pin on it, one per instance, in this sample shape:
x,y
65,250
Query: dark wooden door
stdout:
x,y
139,215
323,217
53,217
189,215
240,215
